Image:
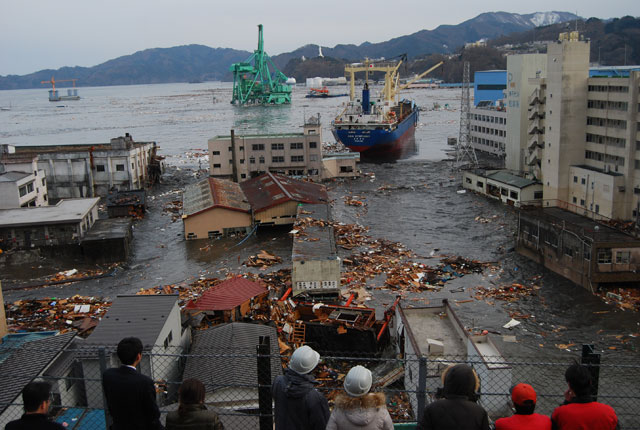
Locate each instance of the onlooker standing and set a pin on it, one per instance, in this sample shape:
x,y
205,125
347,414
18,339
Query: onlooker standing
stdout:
x,y
458,409
580,411
298,405
36,397
524,401
192,414
131,396
359,409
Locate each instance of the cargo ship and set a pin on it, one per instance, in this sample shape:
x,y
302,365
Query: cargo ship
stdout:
x,y
380,128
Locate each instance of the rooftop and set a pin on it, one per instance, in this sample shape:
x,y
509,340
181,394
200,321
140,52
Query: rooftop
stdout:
x,y
319,242
112,228
64,212
269,189
259,136
126,198
211,192
142,315
227,295
219,371
13,176
511,179
595,169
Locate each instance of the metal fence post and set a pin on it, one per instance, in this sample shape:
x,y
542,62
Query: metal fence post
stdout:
x,y
591,359
102,359
264,383
422,385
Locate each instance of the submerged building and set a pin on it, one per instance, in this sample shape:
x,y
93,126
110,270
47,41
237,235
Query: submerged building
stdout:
x,y
90,170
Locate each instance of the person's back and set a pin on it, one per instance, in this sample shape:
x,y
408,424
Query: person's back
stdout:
x,y
456,411
579,410
36,398
298,405
357,408
192,414
524,400
131,396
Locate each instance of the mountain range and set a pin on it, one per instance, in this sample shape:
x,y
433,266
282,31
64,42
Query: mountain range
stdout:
x,y
201,63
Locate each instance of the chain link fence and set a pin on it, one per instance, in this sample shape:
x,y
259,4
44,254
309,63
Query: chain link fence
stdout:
x,y
238,383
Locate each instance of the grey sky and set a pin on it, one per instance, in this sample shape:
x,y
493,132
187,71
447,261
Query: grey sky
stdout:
x,y
40,34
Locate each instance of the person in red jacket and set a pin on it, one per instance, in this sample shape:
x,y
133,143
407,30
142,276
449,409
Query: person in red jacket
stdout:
x,y
580,411
524,399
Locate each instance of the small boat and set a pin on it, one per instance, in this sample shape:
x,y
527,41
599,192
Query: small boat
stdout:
x,y
321,93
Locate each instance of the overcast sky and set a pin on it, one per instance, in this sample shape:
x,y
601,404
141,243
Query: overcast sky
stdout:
x,y
41,34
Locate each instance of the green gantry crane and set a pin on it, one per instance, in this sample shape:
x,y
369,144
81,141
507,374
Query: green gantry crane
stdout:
x,y
256,84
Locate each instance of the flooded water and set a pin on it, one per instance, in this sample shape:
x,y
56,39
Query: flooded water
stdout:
x,y
421,210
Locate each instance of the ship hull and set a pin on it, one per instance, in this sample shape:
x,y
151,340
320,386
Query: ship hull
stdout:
x,y
381,144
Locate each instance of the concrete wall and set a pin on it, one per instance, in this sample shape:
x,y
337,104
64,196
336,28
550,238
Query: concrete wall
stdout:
x,y
489,130
520,68
315,274
599,192
566,106
214,221
341,166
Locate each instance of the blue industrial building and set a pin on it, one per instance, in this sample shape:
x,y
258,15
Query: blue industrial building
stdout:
x,y
612,71
489,85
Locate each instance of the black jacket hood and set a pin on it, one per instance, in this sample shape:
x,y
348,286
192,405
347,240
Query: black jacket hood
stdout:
x,y
298,385
460,381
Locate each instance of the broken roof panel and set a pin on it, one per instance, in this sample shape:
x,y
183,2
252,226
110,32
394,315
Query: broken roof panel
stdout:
x,y
212,192
142,316
271,189
234,361
227,295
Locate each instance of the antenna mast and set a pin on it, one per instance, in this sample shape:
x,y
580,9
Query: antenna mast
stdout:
x,y
464,151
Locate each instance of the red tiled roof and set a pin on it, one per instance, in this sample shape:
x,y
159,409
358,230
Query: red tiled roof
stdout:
x,y
271,189
227,295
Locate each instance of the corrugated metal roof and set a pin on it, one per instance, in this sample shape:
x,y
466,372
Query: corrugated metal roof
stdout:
x,y
511,179
216,355
228,294
272,189
212,192
142,316
26,363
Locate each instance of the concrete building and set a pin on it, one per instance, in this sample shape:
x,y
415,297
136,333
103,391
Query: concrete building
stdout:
x,y
315,261
509,188
89,170
520,69
65,223
243,157
274,198
214,207
341,165
22,184
155,319
586,252
489,127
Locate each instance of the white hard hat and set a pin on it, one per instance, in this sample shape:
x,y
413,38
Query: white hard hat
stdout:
x,y
358,381
304,360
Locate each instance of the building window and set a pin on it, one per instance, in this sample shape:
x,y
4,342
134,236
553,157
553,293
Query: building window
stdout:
x,y
604,256
261,160
581,202
252,160
575,179
230,161
313,172
297,158
215,152
99,167
242,161
468,180
277,146
597,209
216,166
243,175
230,148
504,192
277,159
295,145
313,157
313,145
575,200
538,195
120,167
623,257
30,187
168,340
479,184
23,191
258,146
346,169
513,195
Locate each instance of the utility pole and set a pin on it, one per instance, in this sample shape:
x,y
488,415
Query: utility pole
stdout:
x,y
464,151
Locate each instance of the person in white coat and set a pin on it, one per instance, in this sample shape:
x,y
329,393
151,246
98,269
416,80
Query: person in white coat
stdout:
x,y
357,408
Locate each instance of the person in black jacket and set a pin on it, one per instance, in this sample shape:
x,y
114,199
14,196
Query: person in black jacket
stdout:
x,y
458,409
298,405
36,397
131,396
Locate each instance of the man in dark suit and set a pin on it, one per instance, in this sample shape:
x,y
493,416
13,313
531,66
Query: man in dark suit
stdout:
x,y
131,396
36,397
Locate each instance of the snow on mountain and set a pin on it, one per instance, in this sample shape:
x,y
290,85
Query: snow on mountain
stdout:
x,y
544,18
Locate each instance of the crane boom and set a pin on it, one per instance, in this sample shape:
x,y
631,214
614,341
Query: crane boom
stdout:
x,y
53,82
420,76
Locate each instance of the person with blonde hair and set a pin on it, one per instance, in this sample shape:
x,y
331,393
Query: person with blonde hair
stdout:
x,y
357,408
192,414
457,409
